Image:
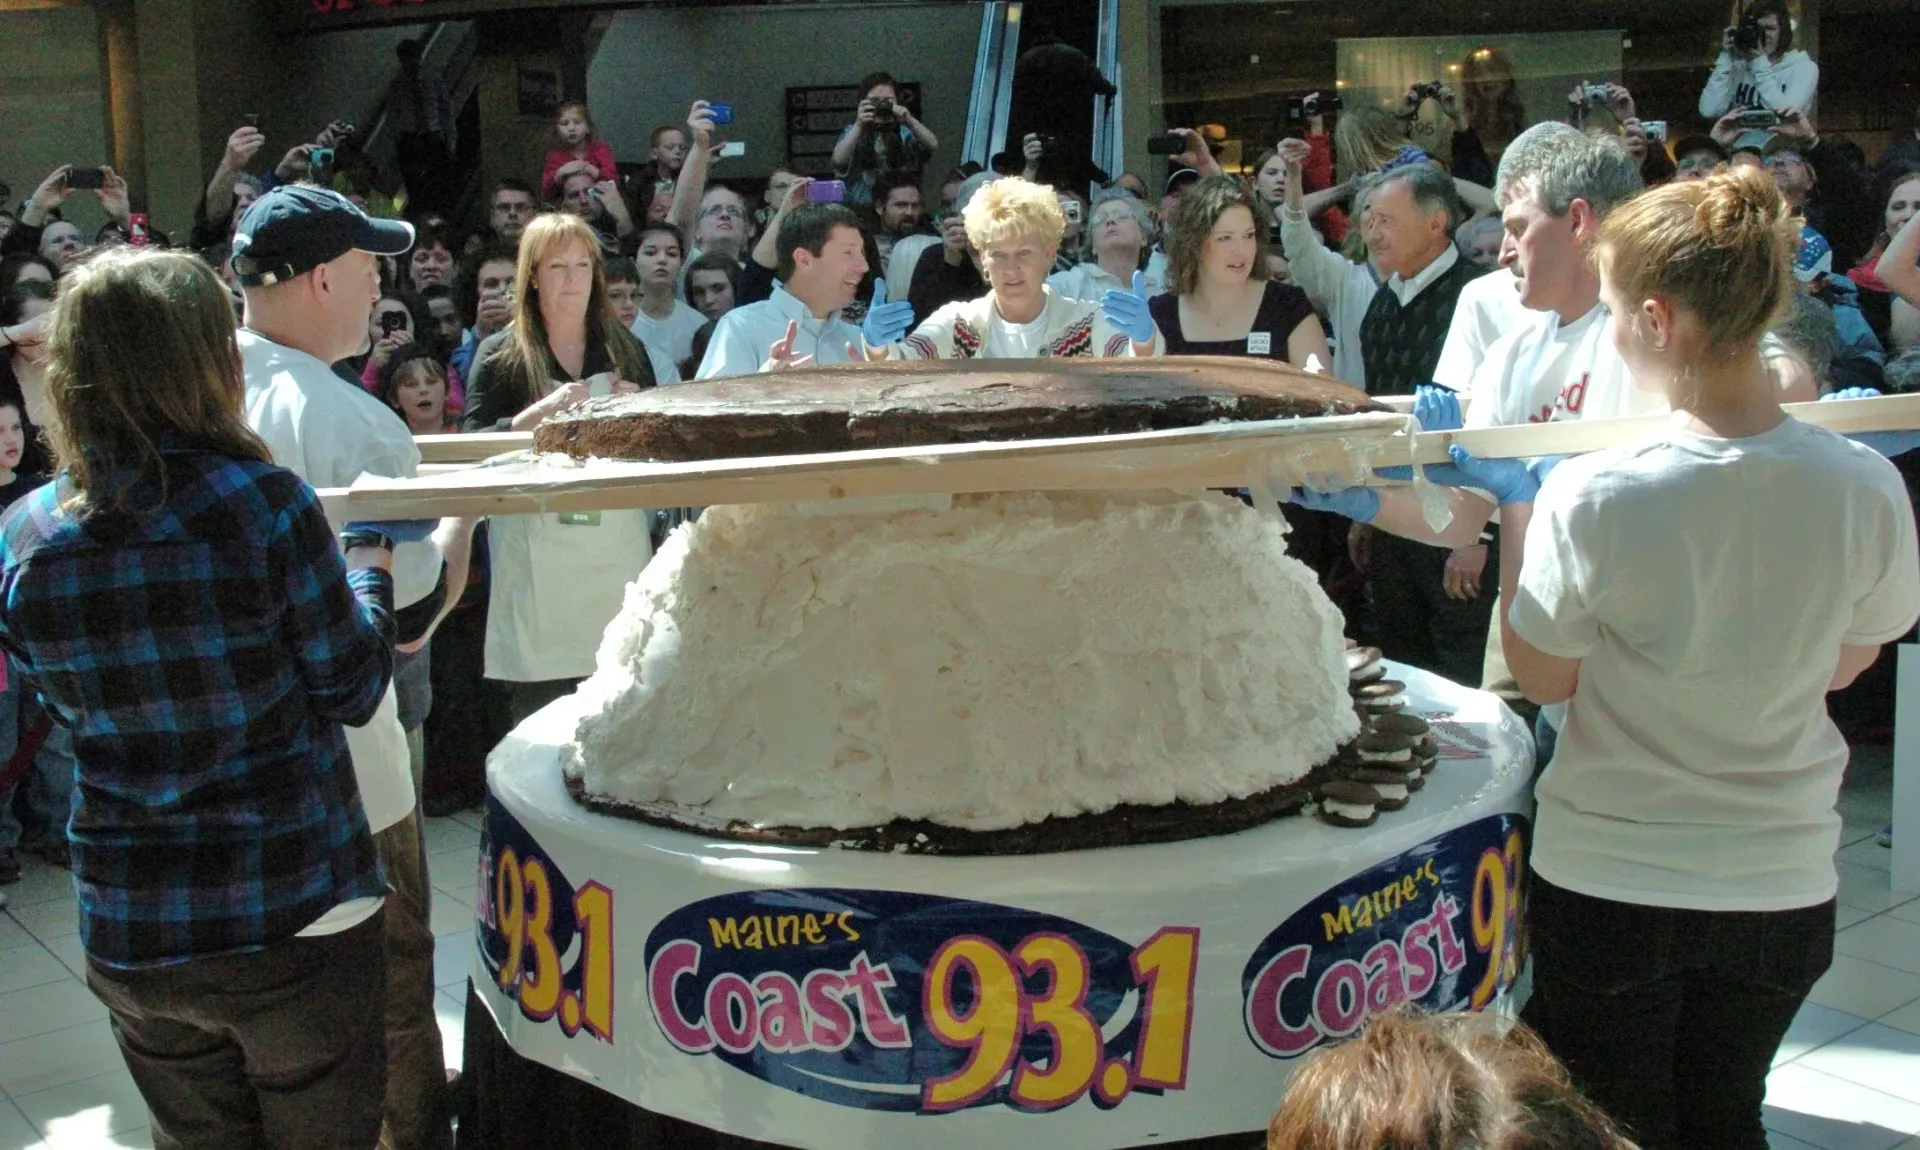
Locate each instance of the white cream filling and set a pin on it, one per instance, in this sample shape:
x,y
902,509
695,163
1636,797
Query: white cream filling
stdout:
x,y
1399,756
1387,701
1347,810
1389,791
1017,656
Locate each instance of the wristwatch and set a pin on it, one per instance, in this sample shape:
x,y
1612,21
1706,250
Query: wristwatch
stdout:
x,y
364,536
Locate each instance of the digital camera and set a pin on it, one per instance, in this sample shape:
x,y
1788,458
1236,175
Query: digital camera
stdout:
x,y
1313,104
1421,93
1748,36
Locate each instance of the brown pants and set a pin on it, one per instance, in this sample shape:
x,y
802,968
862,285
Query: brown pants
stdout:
x,y
277,1048
416,1113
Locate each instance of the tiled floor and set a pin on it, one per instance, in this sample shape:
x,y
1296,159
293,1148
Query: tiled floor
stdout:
x,y
62,1084
1847,1077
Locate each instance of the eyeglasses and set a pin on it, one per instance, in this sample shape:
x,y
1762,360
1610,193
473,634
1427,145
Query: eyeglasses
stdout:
x,y
723,210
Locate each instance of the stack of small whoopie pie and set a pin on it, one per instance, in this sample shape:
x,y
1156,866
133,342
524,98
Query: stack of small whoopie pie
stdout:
x,y
1392,757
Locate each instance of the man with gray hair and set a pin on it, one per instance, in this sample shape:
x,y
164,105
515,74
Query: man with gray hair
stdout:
x,y
1409,222
1555,360
1411,213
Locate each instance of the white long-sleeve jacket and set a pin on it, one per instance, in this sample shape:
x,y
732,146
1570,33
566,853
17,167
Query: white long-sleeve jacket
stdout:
x,y
1754,83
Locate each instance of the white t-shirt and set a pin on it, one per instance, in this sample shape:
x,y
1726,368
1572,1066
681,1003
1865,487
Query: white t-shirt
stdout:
x,y
1707,586
1016,340
1488,308
1542,370
329,432
672,336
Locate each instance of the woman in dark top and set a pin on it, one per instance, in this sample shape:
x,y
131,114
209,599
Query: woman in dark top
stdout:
x,y
557,580
1220,298
1221,301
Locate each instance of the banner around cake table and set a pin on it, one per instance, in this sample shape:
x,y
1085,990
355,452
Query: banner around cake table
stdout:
x,y
818,998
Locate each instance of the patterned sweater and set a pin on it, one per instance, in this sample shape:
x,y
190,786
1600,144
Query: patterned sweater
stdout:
x,y
960,330
1400,344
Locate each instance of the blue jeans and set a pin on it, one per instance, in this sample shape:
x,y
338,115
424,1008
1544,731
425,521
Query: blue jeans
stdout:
x,y
1545,738
47,784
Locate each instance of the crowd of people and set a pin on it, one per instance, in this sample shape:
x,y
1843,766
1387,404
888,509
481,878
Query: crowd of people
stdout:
x,y
261,831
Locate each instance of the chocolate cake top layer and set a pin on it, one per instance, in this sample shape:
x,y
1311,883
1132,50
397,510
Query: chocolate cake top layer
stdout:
x,y
917,403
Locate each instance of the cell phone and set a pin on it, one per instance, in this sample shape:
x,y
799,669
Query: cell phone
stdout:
x,y
720,113
320,165
83,179
137,229
732,149
1656,131
391,322
1759,118
1070,208
827,192
250,120
1168,144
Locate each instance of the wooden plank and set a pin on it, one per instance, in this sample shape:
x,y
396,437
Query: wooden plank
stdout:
x,y
1218,455
472,448
1179,458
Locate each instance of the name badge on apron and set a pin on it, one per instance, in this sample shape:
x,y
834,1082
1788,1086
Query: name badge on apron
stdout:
x,y
578,518
1260,343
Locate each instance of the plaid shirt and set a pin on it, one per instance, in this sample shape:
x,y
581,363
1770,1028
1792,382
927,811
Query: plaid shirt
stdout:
x,y
204,656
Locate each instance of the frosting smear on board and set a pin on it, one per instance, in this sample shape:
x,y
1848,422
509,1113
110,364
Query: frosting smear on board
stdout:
x,y
1015,657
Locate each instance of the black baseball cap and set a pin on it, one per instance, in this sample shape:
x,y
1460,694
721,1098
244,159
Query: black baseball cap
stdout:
x,y
1687,145
297,227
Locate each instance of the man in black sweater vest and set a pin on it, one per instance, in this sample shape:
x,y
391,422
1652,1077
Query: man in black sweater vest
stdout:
x,y
1409,229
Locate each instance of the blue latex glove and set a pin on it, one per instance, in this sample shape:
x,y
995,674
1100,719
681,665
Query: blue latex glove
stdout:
x,y
398,530
1438,409
1127,311
886,323
1887,443
1359,504
1509,481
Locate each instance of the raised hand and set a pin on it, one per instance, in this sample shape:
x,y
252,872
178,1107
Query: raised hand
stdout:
x,y
1127,312
1727,128
886,323
113,195
700,122
52,191
780,357
245,141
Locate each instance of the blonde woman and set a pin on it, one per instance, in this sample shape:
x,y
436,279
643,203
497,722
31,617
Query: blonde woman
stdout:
x,y
1015,226
1692,599
557,579
185,609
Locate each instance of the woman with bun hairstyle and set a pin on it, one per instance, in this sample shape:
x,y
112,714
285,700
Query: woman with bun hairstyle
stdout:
x,y
1691,599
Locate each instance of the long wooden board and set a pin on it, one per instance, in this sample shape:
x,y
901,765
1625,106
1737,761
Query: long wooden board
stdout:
x,y
1218,455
